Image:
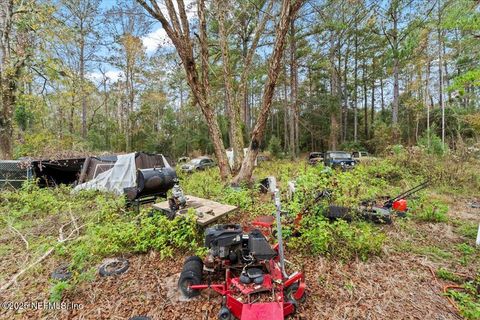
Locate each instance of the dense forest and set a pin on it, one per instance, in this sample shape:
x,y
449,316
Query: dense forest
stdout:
x,y
202,76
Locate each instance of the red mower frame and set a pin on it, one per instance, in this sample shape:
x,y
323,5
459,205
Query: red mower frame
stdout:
x,y
286,290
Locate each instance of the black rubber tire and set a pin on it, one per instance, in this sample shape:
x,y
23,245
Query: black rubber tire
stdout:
x,y
194,265
122,267
193,258
289,292
188,278
61,273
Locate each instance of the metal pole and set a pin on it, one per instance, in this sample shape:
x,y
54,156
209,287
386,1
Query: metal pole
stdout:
x,y
279,233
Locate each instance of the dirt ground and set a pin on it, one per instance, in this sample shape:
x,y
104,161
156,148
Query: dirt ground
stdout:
x,y
398,284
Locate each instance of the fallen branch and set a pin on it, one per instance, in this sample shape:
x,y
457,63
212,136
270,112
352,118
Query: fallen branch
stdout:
x,y
20,234
61,239
452,302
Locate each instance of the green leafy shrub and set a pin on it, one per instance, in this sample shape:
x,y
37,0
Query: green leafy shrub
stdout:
x,y
340,239
434,146
151,232
275,147
204,184
241,197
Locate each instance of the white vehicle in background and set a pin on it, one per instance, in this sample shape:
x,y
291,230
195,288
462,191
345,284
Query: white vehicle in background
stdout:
x,y
362,156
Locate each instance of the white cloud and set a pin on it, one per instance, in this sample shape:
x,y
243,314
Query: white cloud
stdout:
x,y
159,37
112,75
155,39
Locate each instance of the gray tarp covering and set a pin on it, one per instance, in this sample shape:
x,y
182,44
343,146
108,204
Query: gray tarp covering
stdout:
x,y
122,175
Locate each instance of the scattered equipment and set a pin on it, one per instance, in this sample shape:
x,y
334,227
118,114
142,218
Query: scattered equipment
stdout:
x,y
177,201
255,283
399,203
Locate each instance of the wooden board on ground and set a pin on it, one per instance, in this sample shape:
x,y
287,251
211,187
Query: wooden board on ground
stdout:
x,y
207,211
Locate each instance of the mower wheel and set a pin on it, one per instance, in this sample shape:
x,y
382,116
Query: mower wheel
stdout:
x,y
193,258
194,264
224,314
188,278
290,291
294,304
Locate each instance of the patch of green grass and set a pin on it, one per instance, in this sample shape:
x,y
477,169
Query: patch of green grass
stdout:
x,y
436,253
429,210
57,290
445,274
468,229
466,252
468,300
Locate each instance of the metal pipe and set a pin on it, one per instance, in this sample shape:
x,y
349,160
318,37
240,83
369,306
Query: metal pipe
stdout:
x,y
278,205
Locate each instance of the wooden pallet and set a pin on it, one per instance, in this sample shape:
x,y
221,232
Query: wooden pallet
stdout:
x,y
207,211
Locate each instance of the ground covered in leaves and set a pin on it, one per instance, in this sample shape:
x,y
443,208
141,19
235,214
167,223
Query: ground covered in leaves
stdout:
x,y
353,270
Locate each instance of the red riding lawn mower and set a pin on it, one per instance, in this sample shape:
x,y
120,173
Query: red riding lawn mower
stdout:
x,y
255,284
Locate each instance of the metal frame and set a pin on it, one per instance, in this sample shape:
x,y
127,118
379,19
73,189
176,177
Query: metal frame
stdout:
x,y
13,174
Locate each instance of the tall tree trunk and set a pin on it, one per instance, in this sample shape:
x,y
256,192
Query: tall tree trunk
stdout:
x,y
82,85
203,90
248,55
345,99
286,113
8,92
365,100
355,93
382,96
10,72
372,111
293,93
235,128
335,94
440,74
396,71
289,11
425,99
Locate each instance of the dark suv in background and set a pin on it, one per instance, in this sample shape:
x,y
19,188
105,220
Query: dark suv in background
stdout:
x,y
339,159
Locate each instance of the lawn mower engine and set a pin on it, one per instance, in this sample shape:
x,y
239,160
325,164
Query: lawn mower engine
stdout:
x,y
254,283
230,246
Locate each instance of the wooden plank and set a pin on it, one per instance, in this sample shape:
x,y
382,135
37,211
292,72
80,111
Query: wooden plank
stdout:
x,y
208,211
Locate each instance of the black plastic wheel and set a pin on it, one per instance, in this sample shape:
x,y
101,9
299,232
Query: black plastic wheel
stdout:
x,y
290,291
224,314
188,278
